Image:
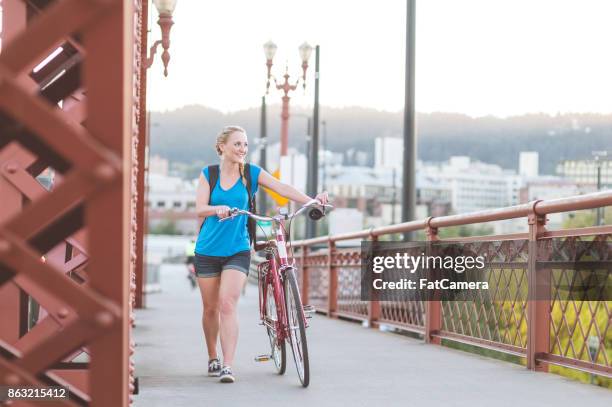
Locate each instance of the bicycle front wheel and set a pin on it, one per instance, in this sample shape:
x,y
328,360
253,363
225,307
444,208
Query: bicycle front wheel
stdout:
x,y
296,327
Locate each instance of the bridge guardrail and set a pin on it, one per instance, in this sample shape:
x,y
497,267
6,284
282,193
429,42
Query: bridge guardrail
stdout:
x,y
553,332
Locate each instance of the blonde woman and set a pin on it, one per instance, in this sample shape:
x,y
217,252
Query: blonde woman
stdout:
x,y
222,252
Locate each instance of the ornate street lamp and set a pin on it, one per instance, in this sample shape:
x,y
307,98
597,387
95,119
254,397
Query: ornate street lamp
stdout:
x,y
165,8
270,50
305,51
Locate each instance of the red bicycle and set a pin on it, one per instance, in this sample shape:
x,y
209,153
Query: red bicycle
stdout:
x,y
280,306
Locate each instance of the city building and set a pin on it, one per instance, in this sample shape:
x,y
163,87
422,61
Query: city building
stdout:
x,y
172,199
360,187
547,187
474,185
585,171
529,164
345,220
293,170
374,192
171,193
388,152
158,165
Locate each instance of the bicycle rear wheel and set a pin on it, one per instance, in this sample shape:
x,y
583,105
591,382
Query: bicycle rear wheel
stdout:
x,y
277,348
296,327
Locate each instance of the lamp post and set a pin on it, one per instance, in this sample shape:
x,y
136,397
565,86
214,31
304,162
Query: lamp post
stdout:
x,y
598,161
286,86
165,8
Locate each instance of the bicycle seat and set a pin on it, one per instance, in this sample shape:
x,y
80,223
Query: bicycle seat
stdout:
x,y
263,244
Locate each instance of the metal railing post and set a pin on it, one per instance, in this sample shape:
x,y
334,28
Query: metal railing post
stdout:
x,y
373,303
538,304
332,300
433,306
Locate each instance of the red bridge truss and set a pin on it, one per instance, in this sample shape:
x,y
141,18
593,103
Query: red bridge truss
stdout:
x,y
68,248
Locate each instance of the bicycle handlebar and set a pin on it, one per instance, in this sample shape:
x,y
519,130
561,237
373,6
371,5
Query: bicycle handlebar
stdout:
x,y
278,218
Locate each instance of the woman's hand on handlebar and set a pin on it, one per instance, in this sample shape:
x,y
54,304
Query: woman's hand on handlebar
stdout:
x,y
222,211
322,197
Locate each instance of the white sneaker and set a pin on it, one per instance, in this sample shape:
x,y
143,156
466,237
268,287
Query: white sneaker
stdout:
x,y
226,375
214,367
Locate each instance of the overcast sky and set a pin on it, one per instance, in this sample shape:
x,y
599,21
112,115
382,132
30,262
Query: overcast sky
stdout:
x,y
479,57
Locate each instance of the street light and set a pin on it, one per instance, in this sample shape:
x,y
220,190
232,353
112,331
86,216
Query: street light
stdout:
x,y
270,50
165,8
598,155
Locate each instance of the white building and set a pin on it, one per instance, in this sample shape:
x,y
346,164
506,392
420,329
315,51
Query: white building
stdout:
x,y
158,165
388,152
528,163
273,158
345,220
544,187
475,186
548,187
328,157
170,193
374,192
585,171
293,170
359,182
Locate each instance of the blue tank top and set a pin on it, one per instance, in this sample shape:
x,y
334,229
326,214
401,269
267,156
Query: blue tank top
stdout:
x,y
231,236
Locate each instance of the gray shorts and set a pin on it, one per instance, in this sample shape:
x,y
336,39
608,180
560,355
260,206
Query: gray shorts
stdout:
x,y
212,266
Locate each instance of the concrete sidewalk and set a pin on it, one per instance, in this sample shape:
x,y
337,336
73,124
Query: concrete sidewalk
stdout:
x,y
350,365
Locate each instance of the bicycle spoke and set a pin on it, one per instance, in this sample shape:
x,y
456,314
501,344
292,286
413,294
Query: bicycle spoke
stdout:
x,y
296,328
277,348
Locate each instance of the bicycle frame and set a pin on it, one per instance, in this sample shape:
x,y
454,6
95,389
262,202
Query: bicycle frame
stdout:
x,y
274,270
277,264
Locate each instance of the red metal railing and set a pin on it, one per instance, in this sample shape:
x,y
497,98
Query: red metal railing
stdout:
x,y
547,332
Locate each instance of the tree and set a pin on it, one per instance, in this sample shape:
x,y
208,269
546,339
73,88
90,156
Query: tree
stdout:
x,y
165,227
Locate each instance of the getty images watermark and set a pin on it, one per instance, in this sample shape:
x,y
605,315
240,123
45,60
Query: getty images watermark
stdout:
x,y
486,271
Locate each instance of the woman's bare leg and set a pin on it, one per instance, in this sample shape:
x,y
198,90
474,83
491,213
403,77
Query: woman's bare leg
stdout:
x,y
229,292
209,288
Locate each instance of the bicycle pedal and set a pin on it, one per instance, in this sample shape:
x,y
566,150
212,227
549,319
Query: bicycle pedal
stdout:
x,y
262,358
308,310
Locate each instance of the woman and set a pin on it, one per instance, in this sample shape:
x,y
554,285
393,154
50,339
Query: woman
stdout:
x,y
222,253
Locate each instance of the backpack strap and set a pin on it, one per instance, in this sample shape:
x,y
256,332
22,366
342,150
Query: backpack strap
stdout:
x,y
249,186
251,223
213,176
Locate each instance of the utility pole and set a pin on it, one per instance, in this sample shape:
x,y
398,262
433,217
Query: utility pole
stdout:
x,y
409,187
262,152
324,148
311,226
308,153
315,128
